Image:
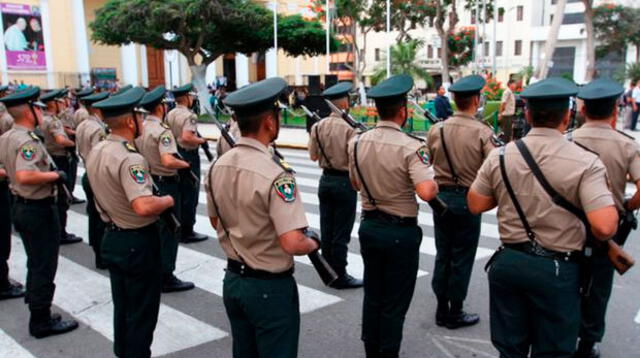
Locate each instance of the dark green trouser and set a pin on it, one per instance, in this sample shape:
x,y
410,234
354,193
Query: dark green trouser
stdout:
x,y
189,192
133,259
390,254
96,225
337,214
264,316
506,125
73,170
457,235
39,227
63,164
168,240
5,233
594,307
534,305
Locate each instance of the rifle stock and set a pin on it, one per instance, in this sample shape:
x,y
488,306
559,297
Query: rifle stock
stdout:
x,y
205,148
620,259
61,185
169,218
223,131
186,173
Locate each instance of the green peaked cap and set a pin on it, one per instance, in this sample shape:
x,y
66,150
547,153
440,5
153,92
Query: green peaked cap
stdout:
x,y
339,90
153,98
27,95
551,93
256,97
120,104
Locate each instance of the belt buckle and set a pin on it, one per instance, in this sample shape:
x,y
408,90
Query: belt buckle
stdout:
x,y
242,267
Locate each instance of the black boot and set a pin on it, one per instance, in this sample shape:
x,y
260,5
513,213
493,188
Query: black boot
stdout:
x,y
44,324
587,349
372,350
191,237
442,311
11,290
67,239
173,284
458,318
347,281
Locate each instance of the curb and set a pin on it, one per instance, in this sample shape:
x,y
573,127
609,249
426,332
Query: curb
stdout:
x,y
279,145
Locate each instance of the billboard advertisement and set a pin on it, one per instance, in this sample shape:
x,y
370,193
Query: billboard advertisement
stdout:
x,y
23,37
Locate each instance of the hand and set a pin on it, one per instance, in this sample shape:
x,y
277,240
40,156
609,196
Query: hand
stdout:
x,y
170,202
62,176
313,236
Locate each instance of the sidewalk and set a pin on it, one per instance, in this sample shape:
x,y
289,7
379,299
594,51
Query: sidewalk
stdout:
x,y
292,138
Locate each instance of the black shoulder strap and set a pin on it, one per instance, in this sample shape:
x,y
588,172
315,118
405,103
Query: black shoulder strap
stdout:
x,y
625,134
364,184
505,178
282,163
455,177
322,147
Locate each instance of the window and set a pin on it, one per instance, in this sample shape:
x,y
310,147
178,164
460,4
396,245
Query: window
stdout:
x,y
377,54
520,13
518,48
345,47
573,18
340,66
486,49
500,16
429,51
473,17
439,52
553,2
498,48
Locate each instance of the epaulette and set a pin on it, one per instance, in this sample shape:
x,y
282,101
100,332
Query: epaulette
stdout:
x,y
130,147
625,134
585,148
283,164
415,137
164,125
34,136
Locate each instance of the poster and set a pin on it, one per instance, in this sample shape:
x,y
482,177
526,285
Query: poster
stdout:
x,y
23,37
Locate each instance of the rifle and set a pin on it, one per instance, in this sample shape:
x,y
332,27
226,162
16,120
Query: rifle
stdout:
x,y
620,259
325,271
186,173
169,218
426,114
313,115
205,147
346,116
574,113
628,222
223,130
62,186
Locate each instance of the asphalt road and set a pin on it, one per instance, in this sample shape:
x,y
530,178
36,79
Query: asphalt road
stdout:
x,y
194,324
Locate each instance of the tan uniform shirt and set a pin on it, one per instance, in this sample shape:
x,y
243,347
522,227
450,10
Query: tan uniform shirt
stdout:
x,y
181,119
258,201
329,140
468,142
619,153
222,146
155,141
510,102
81,114
89,133
6,121
20,149
118,175
392,164
51,127
68,119
576,174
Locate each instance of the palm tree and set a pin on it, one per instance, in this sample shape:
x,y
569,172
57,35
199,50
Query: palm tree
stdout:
x,y
403,61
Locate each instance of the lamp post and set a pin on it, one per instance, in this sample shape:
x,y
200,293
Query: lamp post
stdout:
x,y
328,39
388,42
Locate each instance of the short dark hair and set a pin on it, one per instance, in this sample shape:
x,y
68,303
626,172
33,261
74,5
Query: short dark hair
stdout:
x,y
250,123
545,117
118,121
600,109
389,109
511,81
464,100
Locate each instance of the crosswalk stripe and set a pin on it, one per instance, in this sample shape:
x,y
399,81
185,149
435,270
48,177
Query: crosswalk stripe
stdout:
x,y
12,349
86,295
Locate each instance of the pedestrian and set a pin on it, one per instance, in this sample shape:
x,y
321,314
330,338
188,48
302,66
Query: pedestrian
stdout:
x,y
91,130
158,146
261,224
534,279
184,125
507,112
443,104
389,167
457,149
35,214
59,146
620,154
119,176
328,142
635,105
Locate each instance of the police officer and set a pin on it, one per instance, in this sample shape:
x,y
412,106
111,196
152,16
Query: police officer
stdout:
x,y
119,177
82,112
328,141
58,145
66,115
261,224
534,283
6,121
90,131
158,146
184,125
389,168
234,130
457,148
35,214
621,156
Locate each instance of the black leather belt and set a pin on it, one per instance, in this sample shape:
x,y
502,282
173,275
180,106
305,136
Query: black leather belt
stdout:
x,y
335,172
243,270
165,179
389,218
536,249
115,228
49,200
454,188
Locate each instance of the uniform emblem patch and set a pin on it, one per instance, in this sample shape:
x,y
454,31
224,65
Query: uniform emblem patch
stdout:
x,y
28,152
138,173
423,155
165,139
286,189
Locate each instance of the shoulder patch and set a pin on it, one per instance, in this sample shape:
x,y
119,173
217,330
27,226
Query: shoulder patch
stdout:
x,y
286,188
193,119
28,152
166,139
130,147
625,134
138,173
423,154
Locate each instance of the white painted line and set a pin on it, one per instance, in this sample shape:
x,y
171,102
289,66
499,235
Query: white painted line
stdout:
x,y
11,348
86,295
637,319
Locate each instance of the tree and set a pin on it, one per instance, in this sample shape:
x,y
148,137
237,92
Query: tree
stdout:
x,y
445,10
591,47
552,39
461,46
616,27
404,60
203,30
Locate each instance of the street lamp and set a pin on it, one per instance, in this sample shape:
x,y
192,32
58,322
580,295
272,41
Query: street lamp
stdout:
x,y
328,12
388,42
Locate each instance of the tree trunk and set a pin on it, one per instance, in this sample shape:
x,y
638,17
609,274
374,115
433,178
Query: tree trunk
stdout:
x,y
444,59
198,79
591,47
552,39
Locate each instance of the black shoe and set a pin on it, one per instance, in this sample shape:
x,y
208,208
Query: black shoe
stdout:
x,y
70,239
100,265
174,284
587,349
347,281
15,290
193,237
52,327
75,201
462,319
441,319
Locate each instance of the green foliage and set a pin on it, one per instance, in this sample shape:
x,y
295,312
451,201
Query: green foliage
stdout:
x,y
568,76
403,61
302,37
461,46
616,27
630,72
493,90
525,74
